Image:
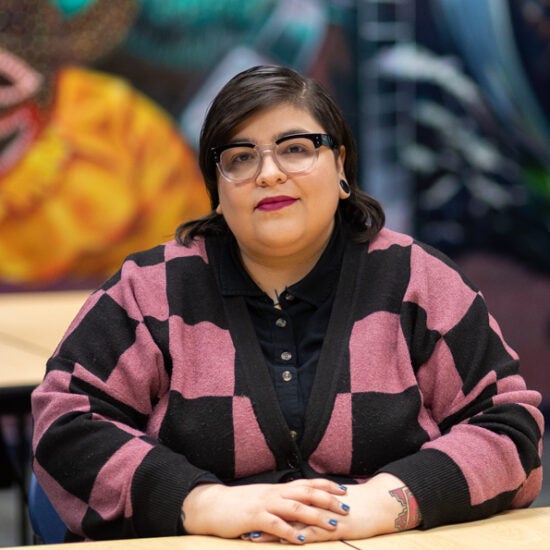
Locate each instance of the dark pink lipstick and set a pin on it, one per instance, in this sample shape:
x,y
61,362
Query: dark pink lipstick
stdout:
x,y
275,203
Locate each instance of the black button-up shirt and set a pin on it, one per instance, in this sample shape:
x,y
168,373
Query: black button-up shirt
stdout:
x,y
290,334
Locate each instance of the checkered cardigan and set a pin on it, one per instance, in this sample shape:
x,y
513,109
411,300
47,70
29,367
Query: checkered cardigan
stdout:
x,y
160,383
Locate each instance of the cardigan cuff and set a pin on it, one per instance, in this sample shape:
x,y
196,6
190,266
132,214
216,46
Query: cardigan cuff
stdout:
x,y
437,484
159,487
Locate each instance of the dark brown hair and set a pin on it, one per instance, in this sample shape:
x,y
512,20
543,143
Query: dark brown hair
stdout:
x,y
255,90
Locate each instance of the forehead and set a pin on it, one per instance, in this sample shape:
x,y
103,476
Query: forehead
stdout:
x,y
269,124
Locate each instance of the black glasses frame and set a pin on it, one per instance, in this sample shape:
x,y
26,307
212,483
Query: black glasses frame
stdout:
x,y
318,140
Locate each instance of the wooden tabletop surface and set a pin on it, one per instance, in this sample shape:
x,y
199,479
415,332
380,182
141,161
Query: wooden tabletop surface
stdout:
x,y
512,530
31,326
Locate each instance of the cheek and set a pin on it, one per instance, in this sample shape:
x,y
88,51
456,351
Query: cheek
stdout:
x,y
326,190
321,205
233,204
225,199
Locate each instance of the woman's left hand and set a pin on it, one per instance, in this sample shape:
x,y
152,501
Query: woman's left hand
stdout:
x,y
381,505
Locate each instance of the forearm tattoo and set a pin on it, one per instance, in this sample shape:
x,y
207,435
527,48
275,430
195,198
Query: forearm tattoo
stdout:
x,y
410,516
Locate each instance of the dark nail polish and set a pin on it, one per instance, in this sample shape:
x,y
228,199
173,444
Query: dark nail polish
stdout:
x,y
301,538
333,522
255,534
344,507
343,487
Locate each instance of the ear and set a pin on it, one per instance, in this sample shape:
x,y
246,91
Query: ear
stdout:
x,y
219,209
345,190
340,160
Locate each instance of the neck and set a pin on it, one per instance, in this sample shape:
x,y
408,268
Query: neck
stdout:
x,y
273,274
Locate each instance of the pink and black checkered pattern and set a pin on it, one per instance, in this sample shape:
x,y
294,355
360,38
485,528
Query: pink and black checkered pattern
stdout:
x,y
160,383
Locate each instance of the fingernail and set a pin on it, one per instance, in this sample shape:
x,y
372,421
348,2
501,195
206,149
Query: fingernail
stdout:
x,y
301,538
333,522
245,535
255,534
344,507
343,487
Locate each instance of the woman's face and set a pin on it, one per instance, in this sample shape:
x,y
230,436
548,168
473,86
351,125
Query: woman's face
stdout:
x,y
277,215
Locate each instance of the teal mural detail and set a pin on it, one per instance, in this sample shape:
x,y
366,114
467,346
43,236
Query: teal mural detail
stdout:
x,y
70,8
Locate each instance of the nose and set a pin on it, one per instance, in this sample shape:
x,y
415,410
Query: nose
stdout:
x,y
269,172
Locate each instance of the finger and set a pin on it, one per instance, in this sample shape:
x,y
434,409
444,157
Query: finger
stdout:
x,y
291,510
295,538
258,536
276,529
266,537
317,498
323,484
316,534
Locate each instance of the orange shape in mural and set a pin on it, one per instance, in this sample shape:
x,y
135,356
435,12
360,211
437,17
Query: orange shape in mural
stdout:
x,y
108,174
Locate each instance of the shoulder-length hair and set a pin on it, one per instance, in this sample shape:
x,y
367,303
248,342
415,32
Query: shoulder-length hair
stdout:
x,y
264,87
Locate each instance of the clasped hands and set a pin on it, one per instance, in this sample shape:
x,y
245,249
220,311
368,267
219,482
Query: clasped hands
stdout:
x,y
305,510
296,512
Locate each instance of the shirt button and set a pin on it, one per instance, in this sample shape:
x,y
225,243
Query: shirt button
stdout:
x,y
280,322
287,376
289,297
293,434
286,356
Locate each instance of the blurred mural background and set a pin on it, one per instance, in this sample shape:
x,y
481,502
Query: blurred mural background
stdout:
x,y
101,103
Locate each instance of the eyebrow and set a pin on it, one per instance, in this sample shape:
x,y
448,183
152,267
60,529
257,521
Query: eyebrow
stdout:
x,y
289,132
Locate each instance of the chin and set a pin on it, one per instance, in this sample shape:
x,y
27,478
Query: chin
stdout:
x,y
280,243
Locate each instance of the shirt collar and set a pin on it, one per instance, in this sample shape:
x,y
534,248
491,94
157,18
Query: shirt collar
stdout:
x,y
314,288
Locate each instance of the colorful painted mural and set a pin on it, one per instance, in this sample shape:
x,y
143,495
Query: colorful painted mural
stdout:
x,y
100,108
91,168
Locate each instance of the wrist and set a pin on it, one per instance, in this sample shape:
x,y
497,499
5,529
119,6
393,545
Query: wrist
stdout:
x,y
410,516
195,507
384,504
402,504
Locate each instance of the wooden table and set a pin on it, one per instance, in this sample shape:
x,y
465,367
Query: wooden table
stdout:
x,y
513,530
36,321
31,326
190,543
19,366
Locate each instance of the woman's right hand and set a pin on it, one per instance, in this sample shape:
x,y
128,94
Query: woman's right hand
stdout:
x,y
276,510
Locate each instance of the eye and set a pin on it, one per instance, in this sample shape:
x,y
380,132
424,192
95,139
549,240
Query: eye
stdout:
x,y
241,157
295,147
235,156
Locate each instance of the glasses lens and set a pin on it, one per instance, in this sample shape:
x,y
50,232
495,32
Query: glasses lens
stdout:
x,y
239,163
293,155
296,154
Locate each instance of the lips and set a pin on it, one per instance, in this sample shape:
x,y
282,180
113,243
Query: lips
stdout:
x,y
23,80
275,203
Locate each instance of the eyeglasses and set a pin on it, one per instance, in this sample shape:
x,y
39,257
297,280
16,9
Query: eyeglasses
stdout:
x,y
239,162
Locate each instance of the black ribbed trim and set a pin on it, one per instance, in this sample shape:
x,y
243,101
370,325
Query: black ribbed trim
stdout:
x,y
335,346
438,485
159,486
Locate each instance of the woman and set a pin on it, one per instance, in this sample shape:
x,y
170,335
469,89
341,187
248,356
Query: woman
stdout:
x,y
287,368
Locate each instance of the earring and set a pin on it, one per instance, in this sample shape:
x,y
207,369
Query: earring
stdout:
x,y
345,187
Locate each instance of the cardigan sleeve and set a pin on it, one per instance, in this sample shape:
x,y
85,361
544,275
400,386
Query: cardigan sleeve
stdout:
x,y
96,448
485,441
